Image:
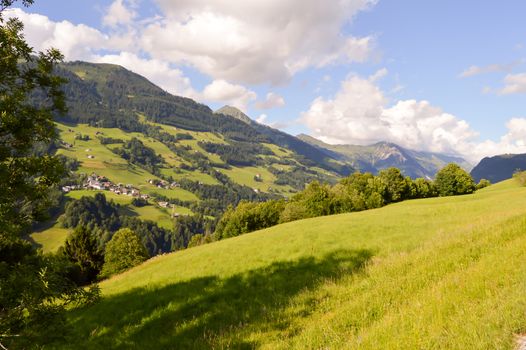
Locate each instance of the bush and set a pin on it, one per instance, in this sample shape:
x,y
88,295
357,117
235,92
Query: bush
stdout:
x,y
483,183
139,202
453,180
520,176
123,251
248,217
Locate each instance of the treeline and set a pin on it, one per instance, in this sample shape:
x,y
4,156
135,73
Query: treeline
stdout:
x,y
237,153
136,152
297,177
354,193
103,218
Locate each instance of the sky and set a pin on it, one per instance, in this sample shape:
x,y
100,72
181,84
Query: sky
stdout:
x,y
442,76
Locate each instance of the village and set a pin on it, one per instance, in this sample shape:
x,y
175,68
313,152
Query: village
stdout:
x,y
102,183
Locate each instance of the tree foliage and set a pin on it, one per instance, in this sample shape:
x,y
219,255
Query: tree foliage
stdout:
x,y
354,193
248,217
125,250
453,180
30,283
82,249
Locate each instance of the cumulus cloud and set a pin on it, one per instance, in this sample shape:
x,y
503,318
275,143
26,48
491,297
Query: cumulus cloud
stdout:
x,y
359,114
258,41
119,13
75,41
159,72
514,84
80,42
272,100
228,93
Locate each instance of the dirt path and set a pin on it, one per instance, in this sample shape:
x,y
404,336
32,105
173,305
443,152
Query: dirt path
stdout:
x,y
521,342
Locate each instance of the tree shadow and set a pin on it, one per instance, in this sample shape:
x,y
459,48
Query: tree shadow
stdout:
x,y
210,312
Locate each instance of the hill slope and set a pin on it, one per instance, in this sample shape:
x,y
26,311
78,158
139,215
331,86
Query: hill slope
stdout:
x,y
382,155
499,168
419,274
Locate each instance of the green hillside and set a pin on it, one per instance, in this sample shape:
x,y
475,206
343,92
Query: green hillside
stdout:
x,y
440,273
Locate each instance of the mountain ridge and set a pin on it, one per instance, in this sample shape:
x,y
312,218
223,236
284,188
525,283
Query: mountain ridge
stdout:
x,y
498,168
383,154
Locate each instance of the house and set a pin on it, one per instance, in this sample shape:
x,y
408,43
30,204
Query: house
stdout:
x,y
135,192
95,185
163,204
90,156
145,196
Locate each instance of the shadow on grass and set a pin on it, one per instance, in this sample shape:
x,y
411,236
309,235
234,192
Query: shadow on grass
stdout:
x,y
209,312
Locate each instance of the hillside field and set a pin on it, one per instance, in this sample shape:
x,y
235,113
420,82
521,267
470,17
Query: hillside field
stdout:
x,y
440,273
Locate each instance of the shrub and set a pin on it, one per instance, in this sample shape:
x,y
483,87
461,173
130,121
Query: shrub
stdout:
x,y
483,183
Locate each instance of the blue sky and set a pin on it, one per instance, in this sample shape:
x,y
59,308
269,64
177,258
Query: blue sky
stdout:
x,y
447,76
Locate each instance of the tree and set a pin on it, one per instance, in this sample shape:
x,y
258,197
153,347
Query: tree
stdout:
x,y
453,180
82,250
29,281
396,185
123,251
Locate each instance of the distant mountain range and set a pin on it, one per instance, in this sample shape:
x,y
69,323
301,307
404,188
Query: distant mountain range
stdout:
x,y
499,168
372,158
381,155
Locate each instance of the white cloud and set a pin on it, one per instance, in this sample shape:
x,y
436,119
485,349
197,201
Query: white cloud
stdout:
x,y
119,13
258,41
76,42
492,68
158,72
227,93
262,118
272,100
359,114
514,84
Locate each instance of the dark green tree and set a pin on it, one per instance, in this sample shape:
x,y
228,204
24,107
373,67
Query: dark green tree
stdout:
x,y
453,180
125,250
30,283
397,188
82,250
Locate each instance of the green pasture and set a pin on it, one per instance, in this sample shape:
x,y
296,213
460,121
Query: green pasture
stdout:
x,y
440,273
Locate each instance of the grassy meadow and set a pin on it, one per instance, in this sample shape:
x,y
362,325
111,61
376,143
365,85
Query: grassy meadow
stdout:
x,y
439,273
50,238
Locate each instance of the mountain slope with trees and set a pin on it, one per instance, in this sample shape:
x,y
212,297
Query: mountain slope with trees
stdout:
x,y
499,168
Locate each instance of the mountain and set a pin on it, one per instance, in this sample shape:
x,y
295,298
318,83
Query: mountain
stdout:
x,y
110,96
381,155
499,168
235,113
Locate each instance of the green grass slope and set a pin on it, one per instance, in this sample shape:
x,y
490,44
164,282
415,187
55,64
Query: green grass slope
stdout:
x,y
441,273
